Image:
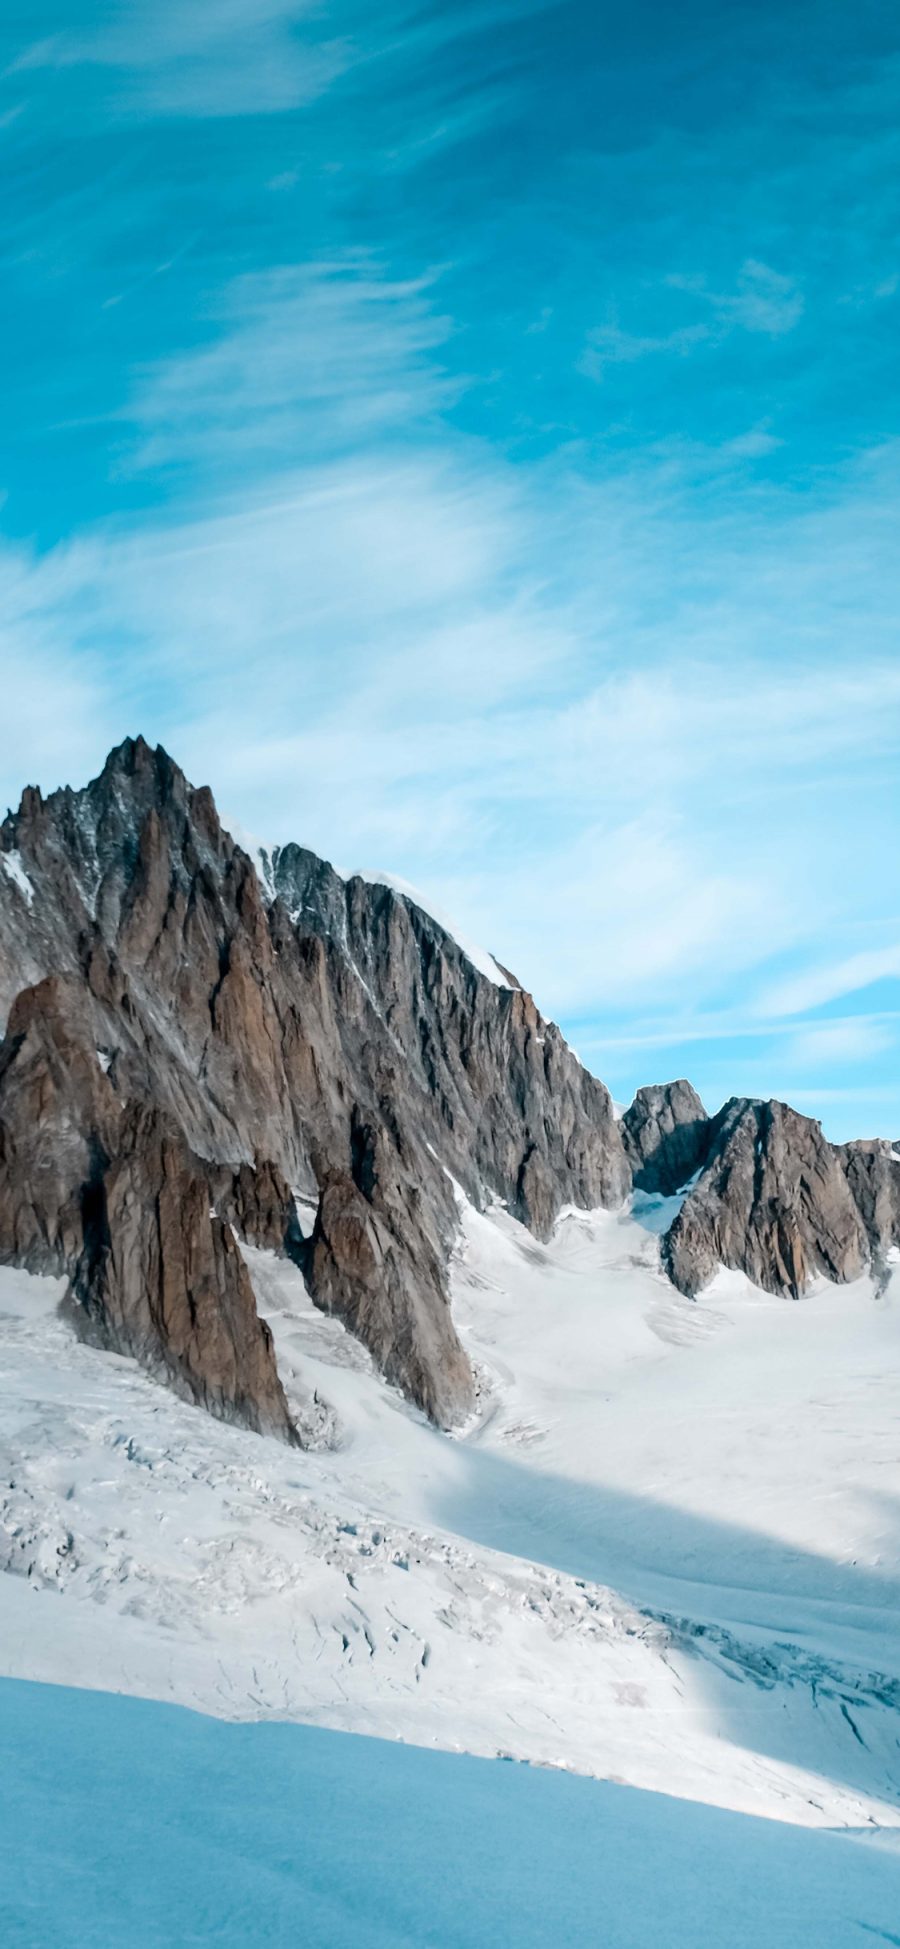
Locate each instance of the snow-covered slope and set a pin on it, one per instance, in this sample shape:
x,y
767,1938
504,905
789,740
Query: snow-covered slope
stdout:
x,y
664,1551
716,1442
287,1835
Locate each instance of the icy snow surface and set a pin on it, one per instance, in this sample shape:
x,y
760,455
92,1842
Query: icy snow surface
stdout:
x,y
665,1551
142,1825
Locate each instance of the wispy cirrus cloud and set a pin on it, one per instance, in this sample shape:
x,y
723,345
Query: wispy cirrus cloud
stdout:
x,y
183,60
611,345
378,655
763,301
827,1045
310,478
430,652
176,57
303,358
815,986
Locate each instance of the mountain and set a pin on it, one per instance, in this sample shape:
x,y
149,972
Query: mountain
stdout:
x,y
199,1043
188,1046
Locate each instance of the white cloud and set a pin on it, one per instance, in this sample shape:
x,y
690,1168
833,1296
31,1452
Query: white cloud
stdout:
x,y
58,719
622,911
815,986
620,741
381,656
184,57
305,357
152,60
610,345
762,301
755,444
826,1045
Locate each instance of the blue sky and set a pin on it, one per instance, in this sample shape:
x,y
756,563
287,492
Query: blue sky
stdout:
x,y
468,436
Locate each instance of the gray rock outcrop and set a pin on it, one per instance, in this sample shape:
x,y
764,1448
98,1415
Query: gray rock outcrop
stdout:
x,y
666,1134
108,1191
292,1033
872,1169
195,1038
774,1201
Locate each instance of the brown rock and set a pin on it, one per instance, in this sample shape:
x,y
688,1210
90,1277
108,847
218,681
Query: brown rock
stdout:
x,y
161,1278
111,1195
873,1174
666,1133
773,1202
326,1035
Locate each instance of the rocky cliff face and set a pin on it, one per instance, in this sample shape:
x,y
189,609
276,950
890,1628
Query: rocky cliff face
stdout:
x,y
872,1170
667,1135
193,1037
286,1031
776,1201
108,1191
502,1096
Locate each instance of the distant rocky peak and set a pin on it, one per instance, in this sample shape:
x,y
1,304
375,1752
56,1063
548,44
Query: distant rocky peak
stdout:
x,y
666,1133
200,1027
773,1201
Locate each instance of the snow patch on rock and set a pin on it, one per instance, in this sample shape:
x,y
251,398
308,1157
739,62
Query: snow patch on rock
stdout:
x,y
479,956
15,871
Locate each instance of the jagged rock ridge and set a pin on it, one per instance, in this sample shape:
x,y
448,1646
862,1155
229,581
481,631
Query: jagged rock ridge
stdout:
x,y
326,1037
667,1136
765,1193
189,1042
107,1190
774,1201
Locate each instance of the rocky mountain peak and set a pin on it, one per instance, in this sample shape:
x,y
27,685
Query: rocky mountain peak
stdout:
x,y
774,1201
300,1030
666,1133
195,1036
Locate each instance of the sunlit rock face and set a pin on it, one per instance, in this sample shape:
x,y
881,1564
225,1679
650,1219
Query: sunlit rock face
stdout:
x,y
774,1201
195,1036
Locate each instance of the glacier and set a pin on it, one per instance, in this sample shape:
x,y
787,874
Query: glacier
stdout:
x,y
132,1822
660,1566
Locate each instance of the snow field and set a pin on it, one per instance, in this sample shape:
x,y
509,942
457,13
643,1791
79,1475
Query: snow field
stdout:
x,y
663,1552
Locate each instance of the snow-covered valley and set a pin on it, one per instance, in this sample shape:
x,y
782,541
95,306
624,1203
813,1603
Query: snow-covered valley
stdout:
x,y
664,1552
